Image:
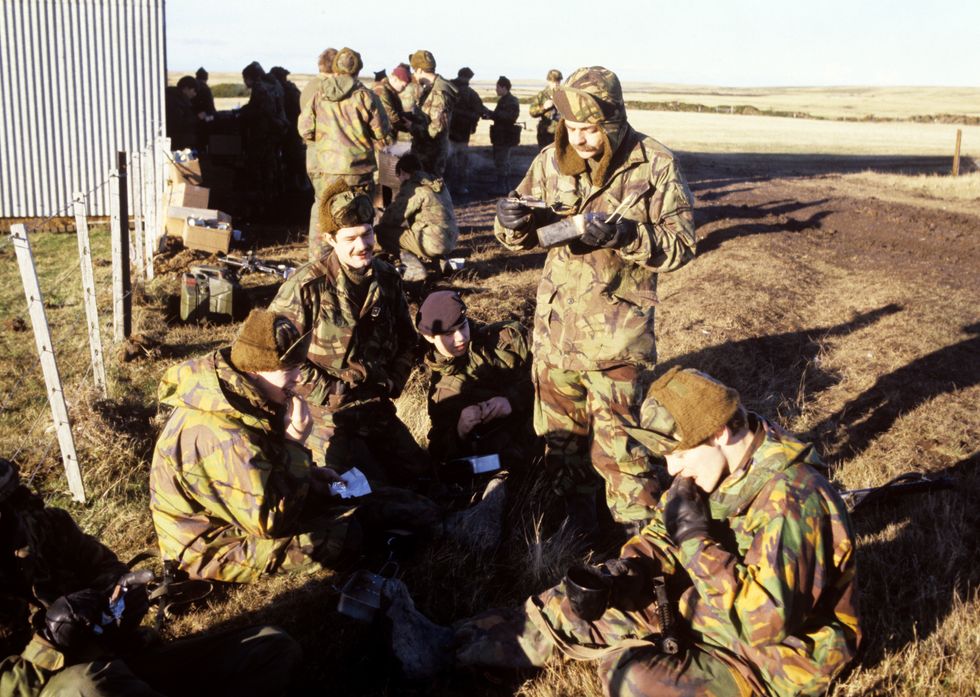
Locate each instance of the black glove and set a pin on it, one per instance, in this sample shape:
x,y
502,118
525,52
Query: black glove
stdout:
x,y
134,598
686,512
631,585
513,214
599,233
70,622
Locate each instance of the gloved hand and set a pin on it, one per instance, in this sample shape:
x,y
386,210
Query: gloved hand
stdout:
x,y
686,511
129,601
632,588
73,620
513,214
599,233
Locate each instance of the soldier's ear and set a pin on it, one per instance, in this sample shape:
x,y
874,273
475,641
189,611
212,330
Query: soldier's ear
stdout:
x,y
722,437
430,339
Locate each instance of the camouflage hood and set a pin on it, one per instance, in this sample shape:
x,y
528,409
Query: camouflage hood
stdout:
x,y
210,384
437,184
336,88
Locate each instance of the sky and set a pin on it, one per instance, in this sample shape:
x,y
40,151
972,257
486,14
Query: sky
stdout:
x,y
728,43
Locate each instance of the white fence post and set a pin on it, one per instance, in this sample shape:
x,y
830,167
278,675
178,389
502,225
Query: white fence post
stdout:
x,y
118,323
149,223
88,294
49,366
136,252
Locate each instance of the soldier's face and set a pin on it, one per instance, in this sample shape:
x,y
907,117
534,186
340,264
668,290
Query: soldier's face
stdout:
x,y
501,90
452,344
585,138
397,83
706,464
354,246
277,385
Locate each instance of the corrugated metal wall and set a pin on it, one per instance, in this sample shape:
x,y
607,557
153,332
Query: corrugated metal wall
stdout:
x,y
79,80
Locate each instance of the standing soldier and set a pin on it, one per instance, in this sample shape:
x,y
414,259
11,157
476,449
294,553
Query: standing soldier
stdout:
x,y
182,122
594,346
504,133
466,115
203,101
265,127
430,133
388,90
343,124
543,108
293,150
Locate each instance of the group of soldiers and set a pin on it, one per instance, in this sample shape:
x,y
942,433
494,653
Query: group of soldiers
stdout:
x,y
730,524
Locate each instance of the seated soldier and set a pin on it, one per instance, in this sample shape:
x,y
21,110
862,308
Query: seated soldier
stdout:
x,y
756,548
420,224
350,309
480,391
76,645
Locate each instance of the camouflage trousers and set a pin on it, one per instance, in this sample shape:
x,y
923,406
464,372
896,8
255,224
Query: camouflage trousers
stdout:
x,y
251,661
365,182
515,639
431,244
581,414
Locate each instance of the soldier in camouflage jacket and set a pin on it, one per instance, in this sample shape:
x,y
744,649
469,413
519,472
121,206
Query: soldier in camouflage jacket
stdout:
x,y
353,314
342,125
430,131
63,577
543,108
593,343
757,550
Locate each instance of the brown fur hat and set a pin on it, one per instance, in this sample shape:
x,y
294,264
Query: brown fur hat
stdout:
x,y
267,342
700,405
342,206
347,62
422,60
325,61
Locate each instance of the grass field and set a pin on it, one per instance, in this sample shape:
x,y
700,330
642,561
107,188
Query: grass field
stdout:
x,y
839,299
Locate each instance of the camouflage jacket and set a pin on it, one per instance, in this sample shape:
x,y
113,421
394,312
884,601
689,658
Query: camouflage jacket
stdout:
x,y
466,113
549,117
227,488
392,104
497,364
595,307
368,348
424,206
773,589
343,124
45,556
436,106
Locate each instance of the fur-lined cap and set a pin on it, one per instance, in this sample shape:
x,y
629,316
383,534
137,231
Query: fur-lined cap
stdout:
x,y
591,95
347,62
342,206
267,342
422,60
554,75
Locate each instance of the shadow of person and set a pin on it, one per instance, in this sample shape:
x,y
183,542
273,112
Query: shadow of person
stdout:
x,y
776,211
874,411
777,369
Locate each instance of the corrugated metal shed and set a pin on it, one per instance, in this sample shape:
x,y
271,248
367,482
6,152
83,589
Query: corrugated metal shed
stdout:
x,y
79,80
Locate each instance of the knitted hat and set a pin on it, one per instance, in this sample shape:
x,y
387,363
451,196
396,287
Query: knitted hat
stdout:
x,y
267,342
422,60
347,62
442,312
554,75
342,206
201,74
591,95
465,73
503,81
403,72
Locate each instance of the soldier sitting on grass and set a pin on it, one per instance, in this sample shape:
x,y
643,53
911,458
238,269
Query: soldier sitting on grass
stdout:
x,y
757,550
419,227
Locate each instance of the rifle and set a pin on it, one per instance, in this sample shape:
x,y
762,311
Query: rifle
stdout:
x,y
910,482
250,264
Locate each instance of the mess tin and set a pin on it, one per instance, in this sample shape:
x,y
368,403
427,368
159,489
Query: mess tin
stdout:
x,y
587,591
565,230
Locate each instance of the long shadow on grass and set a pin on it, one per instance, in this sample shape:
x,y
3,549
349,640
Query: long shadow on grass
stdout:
x,y
777,369
908,584
716,238
875,410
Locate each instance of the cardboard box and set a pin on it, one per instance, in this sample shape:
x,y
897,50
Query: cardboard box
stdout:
x,y
177,216
205,238
187,195
186,172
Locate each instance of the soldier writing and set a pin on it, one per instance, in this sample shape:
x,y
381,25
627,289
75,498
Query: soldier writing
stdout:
x,y
593,341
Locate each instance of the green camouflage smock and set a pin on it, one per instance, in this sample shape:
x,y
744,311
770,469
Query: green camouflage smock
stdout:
x,y
547,118
430,131
421,219
229,493
497,364
595,307
391,102
343,124
773,591
44,556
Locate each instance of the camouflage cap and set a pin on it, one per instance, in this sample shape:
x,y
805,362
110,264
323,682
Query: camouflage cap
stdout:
x,y
422,60
347,62
440,313
554,75
267,342
9,479
342,207
591,95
